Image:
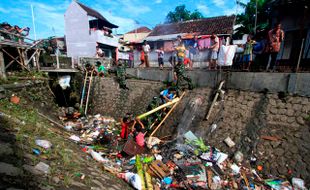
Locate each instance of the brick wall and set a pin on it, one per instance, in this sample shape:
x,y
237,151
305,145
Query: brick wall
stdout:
x,y
113,101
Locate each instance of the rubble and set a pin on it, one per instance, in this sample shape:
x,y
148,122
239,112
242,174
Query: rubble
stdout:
x,y
188,163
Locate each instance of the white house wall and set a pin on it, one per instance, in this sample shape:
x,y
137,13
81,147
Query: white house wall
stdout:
x,y
79,43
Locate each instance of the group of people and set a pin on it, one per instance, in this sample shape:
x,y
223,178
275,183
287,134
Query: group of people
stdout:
x,y
265,48
181,53
134,127
13,33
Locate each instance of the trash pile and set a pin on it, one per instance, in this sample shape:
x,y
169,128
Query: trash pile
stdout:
x,y
183,163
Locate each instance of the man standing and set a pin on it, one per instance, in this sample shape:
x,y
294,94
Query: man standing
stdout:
x,y
181,50
121,75
146,49
180,76
275,36
214,48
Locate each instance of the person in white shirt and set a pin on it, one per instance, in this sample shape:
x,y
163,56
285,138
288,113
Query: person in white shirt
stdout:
x,y
214,48
99,52
146,49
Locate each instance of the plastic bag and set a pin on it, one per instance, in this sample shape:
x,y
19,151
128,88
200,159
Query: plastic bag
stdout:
x,y
64,81
44,143
98,157
298,183
134,180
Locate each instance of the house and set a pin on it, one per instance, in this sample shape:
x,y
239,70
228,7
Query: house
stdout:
x,y
85,28
59,42
137,35
164,35
294,16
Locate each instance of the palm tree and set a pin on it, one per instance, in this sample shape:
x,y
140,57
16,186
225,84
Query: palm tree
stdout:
x,y
246,20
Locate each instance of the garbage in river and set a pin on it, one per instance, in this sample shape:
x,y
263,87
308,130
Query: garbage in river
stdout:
x,y
160,164
43,143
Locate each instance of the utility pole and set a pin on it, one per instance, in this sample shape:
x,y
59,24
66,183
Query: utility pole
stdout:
x,y
255,18
34,26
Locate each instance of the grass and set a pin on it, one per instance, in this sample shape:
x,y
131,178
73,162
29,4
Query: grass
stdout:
x,y
59,158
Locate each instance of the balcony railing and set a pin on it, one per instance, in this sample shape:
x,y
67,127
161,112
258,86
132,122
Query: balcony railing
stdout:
x,y
103,38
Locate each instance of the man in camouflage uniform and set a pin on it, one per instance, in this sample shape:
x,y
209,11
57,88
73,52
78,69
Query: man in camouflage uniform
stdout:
x,y
179,71
121,75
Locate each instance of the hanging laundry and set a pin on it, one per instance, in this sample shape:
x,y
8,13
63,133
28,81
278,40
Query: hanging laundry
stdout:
x,y
168,46
204,43
226,55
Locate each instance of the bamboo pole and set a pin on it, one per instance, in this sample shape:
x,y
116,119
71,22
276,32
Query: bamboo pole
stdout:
x,y
83,90
170,111
214,100
16,35
89,87
158,108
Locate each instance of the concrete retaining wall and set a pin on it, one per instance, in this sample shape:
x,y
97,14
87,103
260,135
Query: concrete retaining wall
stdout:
x,y
109,99
293,83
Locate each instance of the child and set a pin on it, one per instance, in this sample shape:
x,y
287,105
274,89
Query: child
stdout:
x,y
125,122
247,54
167,95
160,54
101,69
138,132
141,58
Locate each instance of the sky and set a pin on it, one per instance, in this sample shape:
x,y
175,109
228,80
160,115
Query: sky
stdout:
x,y
127,14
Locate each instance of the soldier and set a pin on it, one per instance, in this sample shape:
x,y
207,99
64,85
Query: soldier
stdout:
x,y
121,75
179,71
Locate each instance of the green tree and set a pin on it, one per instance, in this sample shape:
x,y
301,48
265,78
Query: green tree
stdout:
x,y
246,20
180,13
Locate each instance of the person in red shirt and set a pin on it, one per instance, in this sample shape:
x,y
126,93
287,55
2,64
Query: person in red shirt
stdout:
x,y
142,58
276,36
125,127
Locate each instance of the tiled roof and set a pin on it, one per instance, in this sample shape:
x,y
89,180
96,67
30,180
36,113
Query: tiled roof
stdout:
x,y
218,25
142,29
94,13
289,2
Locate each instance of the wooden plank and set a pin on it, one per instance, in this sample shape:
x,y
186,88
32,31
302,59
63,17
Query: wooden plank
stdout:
x,y
271,138
34,53
38,60
2,67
